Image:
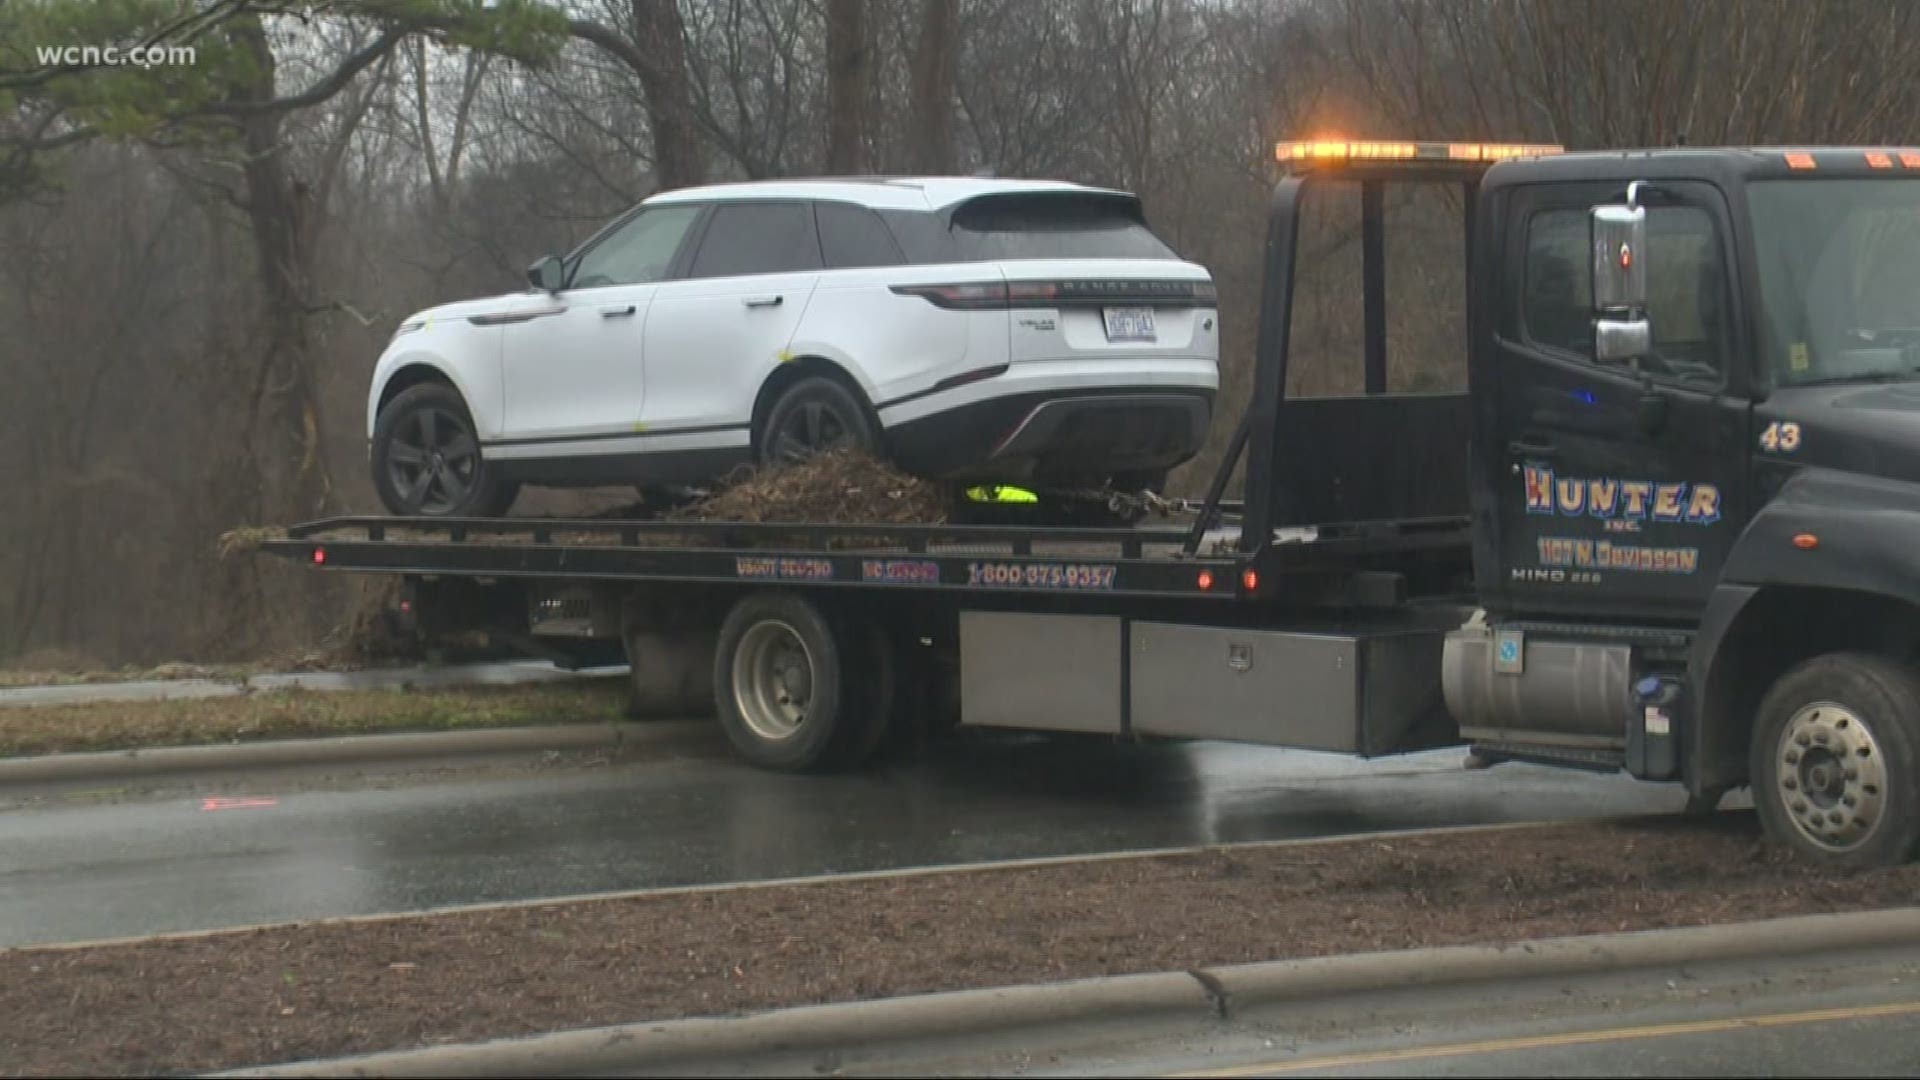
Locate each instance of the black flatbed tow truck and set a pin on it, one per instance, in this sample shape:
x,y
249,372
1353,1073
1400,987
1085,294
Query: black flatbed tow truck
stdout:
x,y
1672,526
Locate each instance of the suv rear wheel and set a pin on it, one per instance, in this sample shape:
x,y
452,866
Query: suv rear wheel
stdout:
x,y
812,415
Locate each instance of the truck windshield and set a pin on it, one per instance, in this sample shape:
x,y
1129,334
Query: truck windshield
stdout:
x,y
1839,278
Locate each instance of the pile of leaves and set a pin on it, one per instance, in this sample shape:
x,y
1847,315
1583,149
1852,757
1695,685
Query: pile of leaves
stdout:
x,y
837,487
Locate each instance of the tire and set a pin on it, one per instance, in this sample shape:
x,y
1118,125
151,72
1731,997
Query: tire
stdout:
x,y
1154,480
879,682
426,458
812,415
655,501
1836,738
775,648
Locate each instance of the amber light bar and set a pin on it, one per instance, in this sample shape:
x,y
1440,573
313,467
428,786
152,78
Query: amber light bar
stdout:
x,y
1333,153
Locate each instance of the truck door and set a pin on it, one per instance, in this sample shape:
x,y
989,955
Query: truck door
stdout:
x,y
1621,489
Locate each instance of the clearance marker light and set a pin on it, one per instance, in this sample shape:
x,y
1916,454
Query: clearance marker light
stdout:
x,y
1910,158
1800,161
1249,580
1878,160
1806,541
1206,579
319,555
1319,153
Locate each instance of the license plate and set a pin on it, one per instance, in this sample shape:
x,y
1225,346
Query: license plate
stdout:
x,y
1129,323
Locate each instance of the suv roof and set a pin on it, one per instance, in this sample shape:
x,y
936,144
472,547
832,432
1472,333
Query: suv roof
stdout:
x,y
875,192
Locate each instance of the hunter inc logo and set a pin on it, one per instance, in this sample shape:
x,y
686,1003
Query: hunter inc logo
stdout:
x,y
140,56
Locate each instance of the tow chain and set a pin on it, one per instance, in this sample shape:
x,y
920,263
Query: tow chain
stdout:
x,y
1127,502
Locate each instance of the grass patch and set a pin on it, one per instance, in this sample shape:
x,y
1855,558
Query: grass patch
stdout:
x,y
11,678
298,714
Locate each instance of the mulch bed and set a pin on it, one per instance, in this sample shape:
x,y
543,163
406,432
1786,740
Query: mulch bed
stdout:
x,y
324,990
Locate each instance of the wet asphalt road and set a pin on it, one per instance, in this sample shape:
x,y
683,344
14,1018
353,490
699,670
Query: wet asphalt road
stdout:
x,y
278,846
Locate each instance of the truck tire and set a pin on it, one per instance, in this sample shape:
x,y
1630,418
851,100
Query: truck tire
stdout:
x,y
1833,762
879,680
779,683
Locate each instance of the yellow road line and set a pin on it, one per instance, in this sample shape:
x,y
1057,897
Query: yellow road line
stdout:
x,y
1570,1038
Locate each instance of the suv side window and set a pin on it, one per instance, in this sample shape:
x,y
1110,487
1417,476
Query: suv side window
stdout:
x,y
1686,289
854,236
757,238
637,252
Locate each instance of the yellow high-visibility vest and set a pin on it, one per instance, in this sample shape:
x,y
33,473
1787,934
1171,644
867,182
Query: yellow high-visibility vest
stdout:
x,y
999,493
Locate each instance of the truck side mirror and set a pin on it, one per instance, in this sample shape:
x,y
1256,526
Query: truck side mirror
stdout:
x,y
549,274
1621,331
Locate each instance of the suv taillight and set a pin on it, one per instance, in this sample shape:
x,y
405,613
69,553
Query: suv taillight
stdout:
x,y
1027,294
966,297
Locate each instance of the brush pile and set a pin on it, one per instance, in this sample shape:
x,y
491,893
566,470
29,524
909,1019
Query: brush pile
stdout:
x,y
835,487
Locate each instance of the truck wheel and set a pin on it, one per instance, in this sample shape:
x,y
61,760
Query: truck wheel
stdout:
x,y
778,683
879,680
1833,760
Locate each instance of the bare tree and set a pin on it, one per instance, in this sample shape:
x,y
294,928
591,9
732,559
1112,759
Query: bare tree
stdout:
x,y
933,74
653,44
846,86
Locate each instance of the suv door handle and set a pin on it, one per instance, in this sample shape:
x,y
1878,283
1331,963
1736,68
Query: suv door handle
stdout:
x,y
1532,448
616,312
763,301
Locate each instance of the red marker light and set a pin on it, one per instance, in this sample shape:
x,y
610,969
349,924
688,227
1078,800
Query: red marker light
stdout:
x,y
1249,580
1806,541
406,605
1206,579
319,556
1626,257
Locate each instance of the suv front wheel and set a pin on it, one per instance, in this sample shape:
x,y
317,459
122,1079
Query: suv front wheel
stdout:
x,y
426,458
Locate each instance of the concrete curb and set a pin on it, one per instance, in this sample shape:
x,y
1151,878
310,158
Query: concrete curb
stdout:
x,y
1242,985
1198,996
344,749
596,1051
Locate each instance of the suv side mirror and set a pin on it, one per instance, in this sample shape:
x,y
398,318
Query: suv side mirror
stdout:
x,y
1621,331
549,274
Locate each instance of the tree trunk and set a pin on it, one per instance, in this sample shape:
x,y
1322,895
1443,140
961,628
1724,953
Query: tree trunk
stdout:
x,y
934,61
846,87
271,467
660,40
284,423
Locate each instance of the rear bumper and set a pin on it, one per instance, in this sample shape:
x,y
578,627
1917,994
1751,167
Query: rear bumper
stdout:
x,y
1082,436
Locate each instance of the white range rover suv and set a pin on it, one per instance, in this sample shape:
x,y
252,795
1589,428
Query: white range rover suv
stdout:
x,y
983,330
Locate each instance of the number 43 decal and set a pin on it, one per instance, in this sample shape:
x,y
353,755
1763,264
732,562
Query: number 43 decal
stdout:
x,y
1783,436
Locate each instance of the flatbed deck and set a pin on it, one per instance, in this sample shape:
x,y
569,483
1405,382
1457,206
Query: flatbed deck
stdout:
x,y
1150,561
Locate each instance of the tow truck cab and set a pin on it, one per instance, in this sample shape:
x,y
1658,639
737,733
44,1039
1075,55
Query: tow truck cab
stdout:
x,y
1694,470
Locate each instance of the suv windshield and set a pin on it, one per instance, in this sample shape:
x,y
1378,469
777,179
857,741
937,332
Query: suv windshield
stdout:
x,y
1840,278
1050,226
